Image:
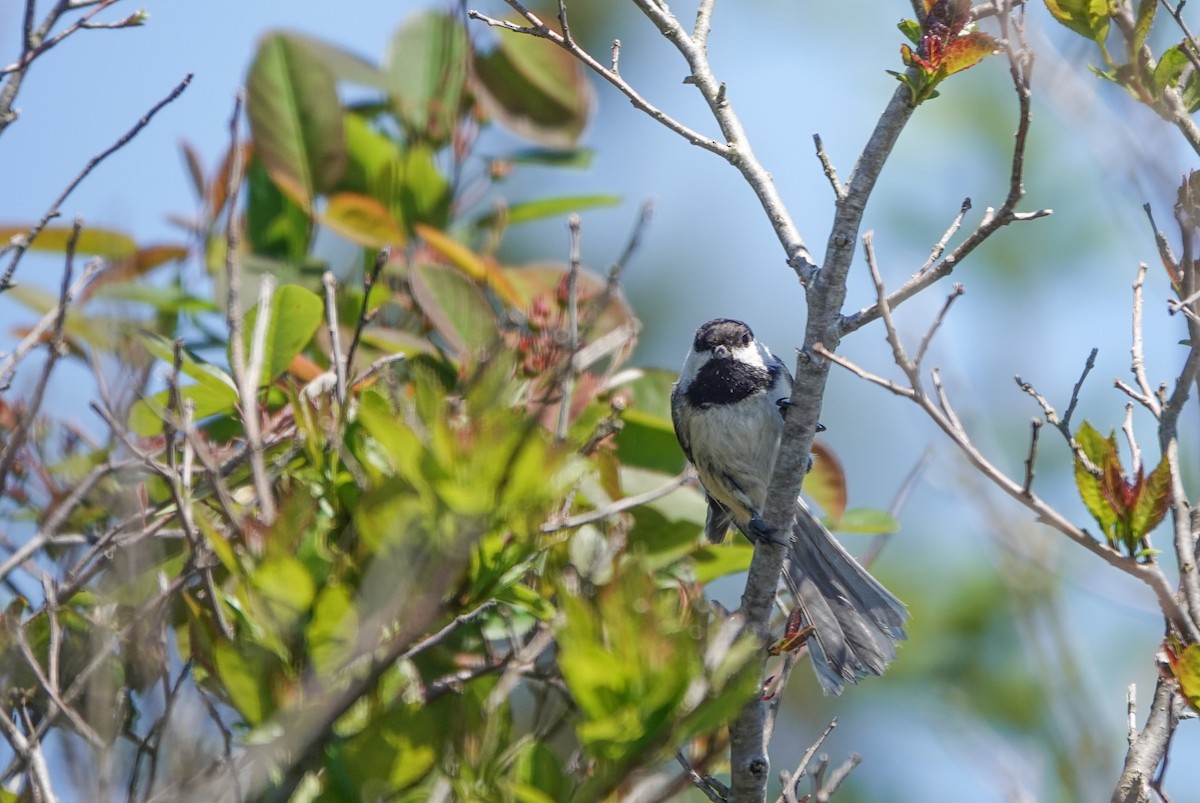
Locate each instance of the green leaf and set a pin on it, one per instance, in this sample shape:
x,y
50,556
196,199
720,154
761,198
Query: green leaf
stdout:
x,y
912,31
712,561
527,211
577,159
245,672
1141,29
648,441
295,117
368,152
424,193
1188,672
170,299
1097,448
456,307
343,65
276,226
867,521
214,391
333,629
397,749
1168,69
1191,98
286,589
146,416
1087,18
536,90
426,71
295,315
104,243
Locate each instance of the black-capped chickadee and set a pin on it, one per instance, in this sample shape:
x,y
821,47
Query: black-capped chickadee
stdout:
x,y
728,409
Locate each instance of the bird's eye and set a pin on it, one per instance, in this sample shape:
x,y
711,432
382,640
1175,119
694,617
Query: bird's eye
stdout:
x,y
746,338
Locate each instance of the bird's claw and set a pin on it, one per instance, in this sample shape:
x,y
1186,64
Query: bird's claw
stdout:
x,y
760,531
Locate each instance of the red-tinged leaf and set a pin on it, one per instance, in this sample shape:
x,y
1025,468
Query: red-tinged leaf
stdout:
x,y
195,167
104,243
426,73
946,17
363,220
456,307
826,483
967,51
295,117
1114,486
535,90
475,266
137,264
543,280
1153,501
218,188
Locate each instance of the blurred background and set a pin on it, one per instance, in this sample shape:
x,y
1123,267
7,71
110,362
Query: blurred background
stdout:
x,y
1022,646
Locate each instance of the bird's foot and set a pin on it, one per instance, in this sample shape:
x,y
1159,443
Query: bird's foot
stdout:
x,y
760,531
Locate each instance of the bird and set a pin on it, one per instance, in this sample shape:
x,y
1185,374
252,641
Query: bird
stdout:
x,y
728,409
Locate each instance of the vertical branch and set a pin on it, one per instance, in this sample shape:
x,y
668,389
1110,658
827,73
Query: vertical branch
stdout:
x,y
826,294
568,373
335,337
1148,749
251,418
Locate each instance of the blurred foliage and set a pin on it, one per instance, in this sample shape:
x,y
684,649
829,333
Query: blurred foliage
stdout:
x,y
420,613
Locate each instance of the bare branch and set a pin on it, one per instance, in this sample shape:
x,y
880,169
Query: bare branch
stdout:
x,y
1020,60
53,211
1148,749
335,336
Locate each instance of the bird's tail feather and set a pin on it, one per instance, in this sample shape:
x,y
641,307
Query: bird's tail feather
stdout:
x,y
856,621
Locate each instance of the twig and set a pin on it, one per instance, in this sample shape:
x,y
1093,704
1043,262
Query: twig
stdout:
x,y
16,439
1035,428
1148,748
369,280
944,416
335,336
937,323
939,247
27,240
619,506
251,381
736,147
701,782
567,383
791,781
1020,61
1138,359
827,167
34,336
